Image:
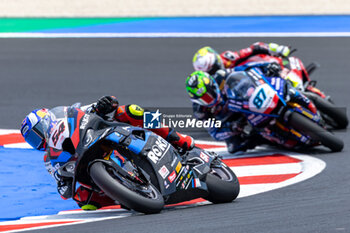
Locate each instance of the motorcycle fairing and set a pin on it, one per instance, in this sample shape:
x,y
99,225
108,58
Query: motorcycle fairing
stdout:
x,y
200,164
277,83
59,137
162,156
258,88
130,137
159,153
171,173
303,111
263,99
74,119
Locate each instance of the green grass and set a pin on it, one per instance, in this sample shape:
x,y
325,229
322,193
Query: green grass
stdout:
x,y
36,24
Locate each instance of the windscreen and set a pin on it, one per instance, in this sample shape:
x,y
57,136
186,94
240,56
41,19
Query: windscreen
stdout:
x,y
241,86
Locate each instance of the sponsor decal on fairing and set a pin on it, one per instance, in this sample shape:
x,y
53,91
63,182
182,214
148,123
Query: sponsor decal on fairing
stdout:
x,y
163,172
159,150
172,177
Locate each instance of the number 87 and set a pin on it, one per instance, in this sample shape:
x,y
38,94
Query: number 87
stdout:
x,y
259,99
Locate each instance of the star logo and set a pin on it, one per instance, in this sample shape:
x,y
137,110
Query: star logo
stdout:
x,y
156,115
152,120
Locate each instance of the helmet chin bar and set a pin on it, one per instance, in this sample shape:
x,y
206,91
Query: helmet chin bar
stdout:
x,y
218,95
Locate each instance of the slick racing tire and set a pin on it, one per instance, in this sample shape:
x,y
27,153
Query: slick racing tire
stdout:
x,y
334,116
223,185
315,131
148,201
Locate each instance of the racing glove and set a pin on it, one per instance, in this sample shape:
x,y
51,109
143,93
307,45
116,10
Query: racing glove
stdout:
x,y
106,104
279,50
64,188
64,185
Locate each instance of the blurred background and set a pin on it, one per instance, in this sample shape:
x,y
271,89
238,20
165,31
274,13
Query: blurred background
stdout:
x,y
149,8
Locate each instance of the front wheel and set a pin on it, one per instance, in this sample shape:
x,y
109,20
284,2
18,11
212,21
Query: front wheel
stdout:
x,y
142,198
315,131
334,115
223,185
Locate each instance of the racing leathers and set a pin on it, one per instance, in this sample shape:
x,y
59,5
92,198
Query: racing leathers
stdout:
x,y
231,59
232,123
131,114
234,129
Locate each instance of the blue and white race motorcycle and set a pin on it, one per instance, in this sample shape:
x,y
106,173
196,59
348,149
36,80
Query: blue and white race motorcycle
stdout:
x,y
270,111
152,172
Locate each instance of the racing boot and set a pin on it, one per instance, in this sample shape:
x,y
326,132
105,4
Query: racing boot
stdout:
x,y
90,200
235,144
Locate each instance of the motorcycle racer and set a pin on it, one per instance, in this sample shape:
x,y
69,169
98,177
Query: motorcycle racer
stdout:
x,y
43,130
208,60
208,94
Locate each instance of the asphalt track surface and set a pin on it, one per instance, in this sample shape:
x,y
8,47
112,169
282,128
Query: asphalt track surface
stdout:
x,y
151,72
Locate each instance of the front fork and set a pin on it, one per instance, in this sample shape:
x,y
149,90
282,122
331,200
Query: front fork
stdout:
x,y
294,107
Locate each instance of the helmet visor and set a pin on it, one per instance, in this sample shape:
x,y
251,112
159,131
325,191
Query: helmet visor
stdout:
x,y
36,136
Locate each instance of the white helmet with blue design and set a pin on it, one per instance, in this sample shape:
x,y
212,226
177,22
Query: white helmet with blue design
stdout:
x,y
34,128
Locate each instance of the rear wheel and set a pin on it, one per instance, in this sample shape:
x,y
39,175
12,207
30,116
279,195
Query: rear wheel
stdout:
x,y
333,115
315,131
223,185
143,198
